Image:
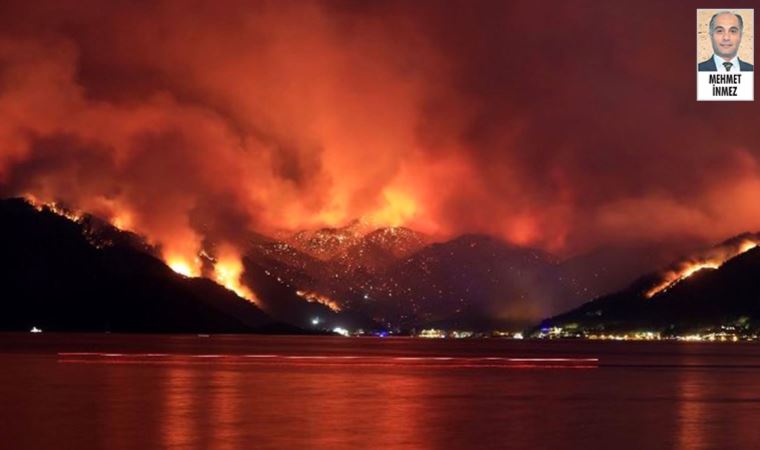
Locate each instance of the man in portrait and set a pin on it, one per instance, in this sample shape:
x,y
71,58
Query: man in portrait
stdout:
x,y
726,30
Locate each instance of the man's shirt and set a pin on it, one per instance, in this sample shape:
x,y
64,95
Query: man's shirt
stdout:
x,y
722,69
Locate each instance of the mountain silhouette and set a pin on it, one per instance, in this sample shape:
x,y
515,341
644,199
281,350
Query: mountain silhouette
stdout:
x,y
62,275
709,294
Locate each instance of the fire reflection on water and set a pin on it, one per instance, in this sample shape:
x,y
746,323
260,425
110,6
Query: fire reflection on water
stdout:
x,y
227,394
692,413
298,392
203,409
222,409
179,422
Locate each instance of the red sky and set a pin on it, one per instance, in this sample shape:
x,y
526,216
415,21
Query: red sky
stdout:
x,y
561,125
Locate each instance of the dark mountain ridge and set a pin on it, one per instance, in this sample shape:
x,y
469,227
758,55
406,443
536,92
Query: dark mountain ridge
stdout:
x,y
388,278
52,276
714,295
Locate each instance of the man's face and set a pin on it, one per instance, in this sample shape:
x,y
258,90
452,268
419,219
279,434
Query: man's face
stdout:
x,y
726,36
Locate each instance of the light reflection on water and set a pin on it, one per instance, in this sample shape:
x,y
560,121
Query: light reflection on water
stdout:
x,y
642,395
692,413
181,408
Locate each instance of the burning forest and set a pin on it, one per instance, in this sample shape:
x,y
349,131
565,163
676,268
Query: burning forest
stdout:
x,y
197,130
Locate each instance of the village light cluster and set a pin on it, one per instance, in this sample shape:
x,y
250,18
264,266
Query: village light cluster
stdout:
x,y
726,333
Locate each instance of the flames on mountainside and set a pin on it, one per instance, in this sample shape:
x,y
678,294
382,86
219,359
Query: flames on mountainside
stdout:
x,y
314,297
711,259
223,262
326,243
205,128
227,266
55,208
341,259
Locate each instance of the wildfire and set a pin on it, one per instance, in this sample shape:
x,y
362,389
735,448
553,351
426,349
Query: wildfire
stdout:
x,y
674,277
227,268
313,297
227,271
398,209
182,267
716,258
55,208
123,221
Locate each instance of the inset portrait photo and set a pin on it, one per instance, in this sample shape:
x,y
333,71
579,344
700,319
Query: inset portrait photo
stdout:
x,y
725,54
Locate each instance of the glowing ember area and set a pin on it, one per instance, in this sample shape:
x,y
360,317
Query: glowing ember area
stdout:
x,y
313,297
182,267
272,117
55,208
71,215
747,245
122,221
399,208
227,268
314,124
715,258
227,272
674,277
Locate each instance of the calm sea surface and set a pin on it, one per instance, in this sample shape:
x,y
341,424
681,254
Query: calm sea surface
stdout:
x,y
227,392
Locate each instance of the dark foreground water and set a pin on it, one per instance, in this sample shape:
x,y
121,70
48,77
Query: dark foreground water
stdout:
x,y
229,392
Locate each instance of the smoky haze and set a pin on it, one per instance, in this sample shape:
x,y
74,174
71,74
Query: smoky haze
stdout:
x,y
560,126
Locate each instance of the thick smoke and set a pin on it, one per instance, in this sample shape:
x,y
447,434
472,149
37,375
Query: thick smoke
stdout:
x,y
560,126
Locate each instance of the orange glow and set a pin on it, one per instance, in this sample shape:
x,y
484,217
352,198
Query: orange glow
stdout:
x,y
746,246
227,269
123,221
523,230
273,119
72,215
180,252
397,210
313,297
182,267
34,201
716,258
270,120
674,277
227,272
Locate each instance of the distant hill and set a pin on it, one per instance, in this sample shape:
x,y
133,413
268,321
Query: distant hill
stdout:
x,y
326,243
720,287
397,277
61,275
381,248
84,274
